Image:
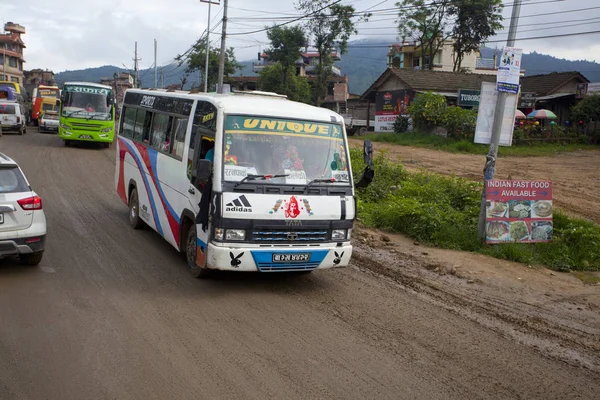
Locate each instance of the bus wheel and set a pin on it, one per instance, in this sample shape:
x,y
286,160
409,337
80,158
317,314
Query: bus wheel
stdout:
x,y
106,145
134,210
197,271
67,143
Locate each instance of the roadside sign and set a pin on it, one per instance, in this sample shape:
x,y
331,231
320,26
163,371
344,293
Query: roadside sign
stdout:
x,y
527,100
486,112
593,88
509,71
518,211
581,90
468,98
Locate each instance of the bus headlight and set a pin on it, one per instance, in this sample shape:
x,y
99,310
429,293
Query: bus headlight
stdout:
x,y
66,127
235,234
349,236
219,232
338,234
106,129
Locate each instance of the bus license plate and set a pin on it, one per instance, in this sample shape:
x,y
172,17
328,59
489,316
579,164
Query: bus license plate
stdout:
x,y
85,137
1,218
294,257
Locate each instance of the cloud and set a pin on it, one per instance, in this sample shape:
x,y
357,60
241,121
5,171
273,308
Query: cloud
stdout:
x,y
69,34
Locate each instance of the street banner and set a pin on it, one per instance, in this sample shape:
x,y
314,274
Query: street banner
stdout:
x,y
518,211
486,112
509,70
593,88
468,98
388,105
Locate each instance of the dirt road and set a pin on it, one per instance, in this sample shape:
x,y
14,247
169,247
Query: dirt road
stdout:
x,y
113,313
575,176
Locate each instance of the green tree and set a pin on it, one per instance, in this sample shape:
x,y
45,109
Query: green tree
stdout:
x,y
587,110
476,21
425,22
286,47
195,61
329,27
296,87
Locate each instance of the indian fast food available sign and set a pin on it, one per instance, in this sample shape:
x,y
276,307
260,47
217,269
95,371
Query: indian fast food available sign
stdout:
x,y
518,211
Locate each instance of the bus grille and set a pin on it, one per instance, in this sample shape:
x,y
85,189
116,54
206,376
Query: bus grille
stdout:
x,y
86,127
268,236
268,267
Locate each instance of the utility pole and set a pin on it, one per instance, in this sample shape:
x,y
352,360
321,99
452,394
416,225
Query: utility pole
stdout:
x,y
162,78
490,164
207,44
136,69
222,59
155,65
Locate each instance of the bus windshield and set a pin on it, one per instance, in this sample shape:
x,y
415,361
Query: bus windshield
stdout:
x,y
86,102
303,151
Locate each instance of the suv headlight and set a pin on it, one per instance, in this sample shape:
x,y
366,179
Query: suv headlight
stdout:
x,y
338,234
235,234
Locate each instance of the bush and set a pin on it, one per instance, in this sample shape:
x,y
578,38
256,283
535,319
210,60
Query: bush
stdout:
x,y
460,122
402,124
587,110
443,211
427,110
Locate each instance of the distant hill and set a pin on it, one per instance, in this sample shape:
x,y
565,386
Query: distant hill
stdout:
x,y
363,65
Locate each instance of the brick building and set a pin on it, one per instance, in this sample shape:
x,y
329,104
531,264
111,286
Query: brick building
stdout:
x,y
11,53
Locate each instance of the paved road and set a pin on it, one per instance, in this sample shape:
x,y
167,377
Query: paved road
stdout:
x,y
113,313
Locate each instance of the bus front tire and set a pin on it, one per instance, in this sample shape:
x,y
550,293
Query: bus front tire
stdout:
x,y
197,271
134,210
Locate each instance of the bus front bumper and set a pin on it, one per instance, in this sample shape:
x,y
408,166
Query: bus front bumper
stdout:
x,y
93,136
281,259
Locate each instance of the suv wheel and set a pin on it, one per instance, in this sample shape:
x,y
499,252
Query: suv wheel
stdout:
x,y
22,130
32,259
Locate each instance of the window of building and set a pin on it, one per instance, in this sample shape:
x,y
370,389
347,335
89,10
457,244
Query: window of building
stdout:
x,y
416,62
12,62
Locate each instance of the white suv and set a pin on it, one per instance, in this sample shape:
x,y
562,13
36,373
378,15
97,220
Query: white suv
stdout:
x,y
12,117
22,220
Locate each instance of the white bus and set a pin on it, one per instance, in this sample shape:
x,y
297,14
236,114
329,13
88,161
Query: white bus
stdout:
x,y
238,181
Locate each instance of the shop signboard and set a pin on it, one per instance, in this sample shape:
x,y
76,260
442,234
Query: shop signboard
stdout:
x,y
527,100
388,105
518,211
581,90
486,112
593,88
468,98
509,70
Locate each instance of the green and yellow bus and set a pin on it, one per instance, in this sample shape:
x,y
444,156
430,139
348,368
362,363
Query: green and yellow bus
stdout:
x,y
87,113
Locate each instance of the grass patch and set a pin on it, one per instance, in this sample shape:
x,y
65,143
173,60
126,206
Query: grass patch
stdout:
x,y
443,211
589,278
468,147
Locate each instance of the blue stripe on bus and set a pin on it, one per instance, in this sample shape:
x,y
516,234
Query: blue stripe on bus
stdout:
x,y
152,155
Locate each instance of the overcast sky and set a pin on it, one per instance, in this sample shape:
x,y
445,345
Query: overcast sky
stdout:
x,y
70,34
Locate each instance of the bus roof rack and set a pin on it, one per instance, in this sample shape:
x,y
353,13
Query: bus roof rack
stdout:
x,y
260,93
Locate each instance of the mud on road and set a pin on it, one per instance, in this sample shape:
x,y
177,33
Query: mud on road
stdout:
x,y
113,313
574,176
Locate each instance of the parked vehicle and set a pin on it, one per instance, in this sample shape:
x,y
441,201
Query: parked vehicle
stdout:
x,y
12,117
239,182
22,219
48,122
358,126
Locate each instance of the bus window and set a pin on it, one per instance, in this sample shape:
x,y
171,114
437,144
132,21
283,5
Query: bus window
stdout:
x,y
128,122
146,128
178,134
160,127
140,118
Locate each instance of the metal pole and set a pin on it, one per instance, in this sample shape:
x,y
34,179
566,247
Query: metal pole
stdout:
x,y
207,50
135,67
222,59
490,163
155,65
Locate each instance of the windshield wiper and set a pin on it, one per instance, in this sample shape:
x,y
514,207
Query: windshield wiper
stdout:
x,y
252,177
94,115
75,112
329,180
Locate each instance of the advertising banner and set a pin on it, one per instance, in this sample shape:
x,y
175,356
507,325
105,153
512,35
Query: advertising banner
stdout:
x,y
388,105
486,112
581,90
593,88
527,100
509,70
518,211
468,98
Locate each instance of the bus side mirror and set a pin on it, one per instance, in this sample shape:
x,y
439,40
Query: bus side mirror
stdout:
x,y
57,102
369,172
63,96
110,99
203,171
